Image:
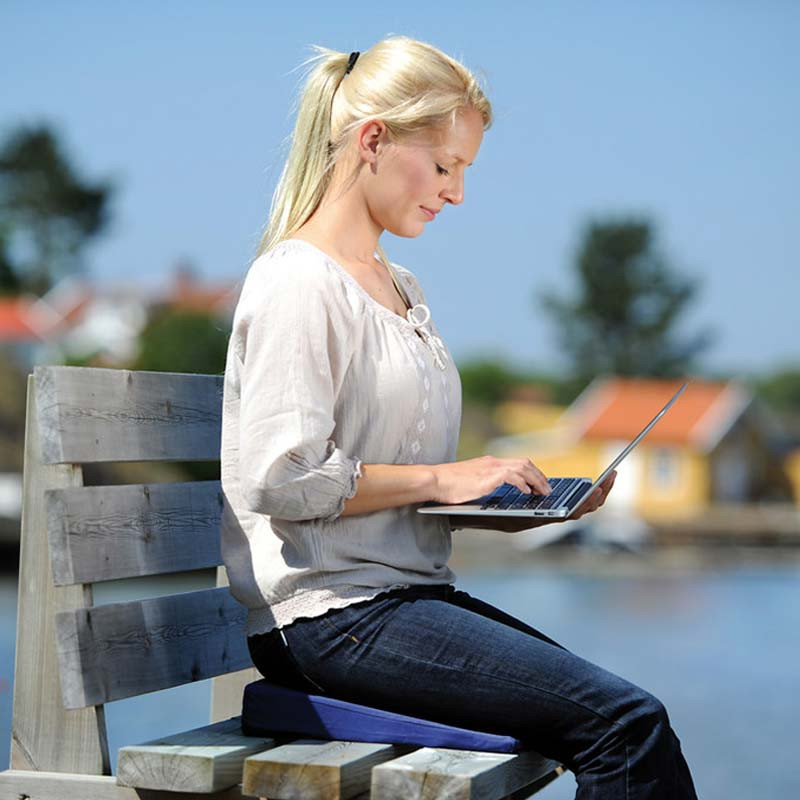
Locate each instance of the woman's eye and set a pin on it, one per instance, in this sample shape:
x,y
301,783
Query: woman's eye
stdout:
x,y
441,170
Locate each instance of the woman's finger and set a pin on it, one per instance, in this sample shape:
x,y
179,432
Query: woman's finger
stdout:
x,y
536,478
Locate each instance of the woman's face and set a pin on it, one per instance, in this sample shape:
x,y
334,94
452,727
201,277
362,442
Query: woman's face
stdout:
x,y
424,172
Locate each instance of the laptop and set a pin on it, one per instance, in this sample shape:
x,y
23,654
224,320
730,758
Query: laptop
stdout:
x,y
566,495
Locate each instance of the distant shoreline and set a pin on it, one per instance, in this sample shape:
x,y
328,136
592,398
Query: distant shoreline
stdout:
x,y
480,550
475,551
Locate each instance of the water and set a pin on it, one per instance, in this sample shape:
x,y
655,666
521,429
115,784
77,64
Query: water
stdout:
x,y
720,648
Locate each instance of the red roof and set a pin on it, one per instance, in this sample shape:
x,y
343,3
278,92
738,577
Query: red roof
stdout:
x,y
619,408
187,293
16,322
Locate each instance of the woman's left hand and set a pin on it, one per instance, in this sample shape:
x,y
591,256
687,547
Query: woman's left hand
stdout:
x,y
517,524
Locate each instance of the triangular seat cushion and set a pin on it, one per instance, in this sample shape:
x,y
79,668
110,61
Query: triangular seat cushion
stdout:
x,y
268,708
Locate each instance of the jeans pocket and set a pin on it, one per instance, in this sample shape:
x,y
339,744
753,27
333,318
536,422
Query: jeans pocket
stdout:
x,y
345,634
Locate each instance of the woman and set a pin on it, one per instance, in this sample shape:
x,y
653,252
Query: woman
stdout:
x,y
341,415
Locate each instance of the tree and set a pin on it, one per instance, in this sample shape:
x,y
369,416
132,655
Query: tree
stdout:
x,y
9,282
486,381
183,341
47,214
782,390
628,299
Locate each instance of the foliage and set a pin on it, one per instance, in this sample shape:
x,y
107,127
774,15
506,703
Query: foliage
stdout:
x,y
9,282
623,316
782,389
47,214
486,382
12,414
183,341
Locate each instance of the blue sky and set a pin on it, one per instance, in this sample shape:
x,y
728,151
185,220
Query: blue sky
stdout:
x,y
685,112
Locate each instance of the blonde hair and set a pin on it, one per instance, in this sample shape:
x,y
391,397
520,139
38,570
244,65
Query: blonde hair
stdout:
x,y
408,84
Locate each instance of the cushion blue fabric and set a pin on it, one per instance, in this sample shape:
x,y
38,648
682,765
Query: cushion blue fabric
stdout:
x,y
268,708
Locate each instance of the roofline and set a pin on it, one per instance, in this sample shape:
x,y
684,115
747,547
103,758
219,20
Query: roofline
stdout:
x,y
720,416
577,416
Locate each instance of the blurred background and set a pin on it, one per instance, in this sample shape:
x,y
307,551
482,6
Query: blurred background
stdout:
x,y
630,222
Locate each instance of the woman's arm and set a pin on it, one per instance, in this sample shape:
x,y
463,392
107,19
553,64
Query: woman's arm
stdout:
x,y
390,485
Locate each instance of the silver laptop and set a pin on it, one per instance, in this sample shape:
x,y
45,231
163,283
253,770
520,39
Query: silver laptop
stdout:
x,y
566,495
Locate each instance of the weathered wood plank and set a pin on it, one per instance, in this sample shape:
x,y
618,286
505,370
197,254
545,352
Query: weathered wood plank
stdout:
x,y
227,690
125,649
204,760
309,769
90,415
100,533
433,774
43,735
22,784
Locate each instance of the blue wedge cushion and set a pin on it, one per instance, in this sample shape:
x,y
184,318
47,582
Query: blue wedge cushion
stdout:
x,y
268,708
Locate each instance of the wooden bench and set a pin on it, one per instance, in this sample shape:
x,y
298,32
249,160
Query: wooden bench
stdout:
x,y
72,656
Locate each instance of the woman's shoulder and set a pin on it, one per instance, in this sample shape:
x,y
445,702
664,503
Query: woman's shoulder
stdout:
x,y
294,267
292,261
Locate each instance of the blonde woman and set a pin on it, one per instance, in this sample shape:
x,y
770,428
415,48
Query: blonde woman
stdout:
x,y
341,415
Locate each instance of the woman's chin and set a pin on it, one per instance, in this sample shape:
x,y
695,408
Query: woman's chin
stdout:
x,y
407,230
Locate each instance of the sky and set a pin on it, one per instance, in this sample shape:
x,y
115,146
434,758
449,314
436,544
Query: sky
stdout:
x,y
683,113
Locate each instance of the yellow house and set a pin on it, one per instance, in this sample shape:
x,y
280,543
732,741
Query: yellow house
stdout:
x,y
712,446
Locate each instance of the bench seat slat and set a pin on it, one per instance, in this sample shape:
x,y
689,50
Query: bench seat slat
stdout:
x,y
310,769
202,760
93,415
100,533
435,773
126,649
16,784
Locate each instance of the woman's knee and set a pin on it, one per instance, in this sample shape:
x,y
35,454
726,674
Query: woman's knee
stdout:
x,y
646,716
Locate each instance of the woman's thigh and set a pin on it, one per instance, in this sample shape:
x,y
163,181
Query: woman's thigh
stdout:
x,y
449,657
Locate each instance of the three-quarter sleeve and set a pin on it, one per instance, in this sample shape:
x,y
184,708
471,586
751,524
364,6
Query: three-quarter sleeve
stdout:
x,y
297,338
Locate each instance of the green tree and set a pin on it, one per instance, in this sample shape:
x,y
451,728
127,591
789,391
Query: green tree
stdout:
x,y
47,213
486,381
782,390
183,341
9,282
622,318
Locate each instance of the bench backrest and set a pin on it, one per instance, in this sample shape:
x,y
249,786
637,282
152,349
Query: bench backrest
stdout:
x,y
72,656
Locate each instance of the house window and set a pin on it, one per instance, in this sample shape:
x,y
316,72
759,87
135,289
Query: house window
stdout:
x,y
664,468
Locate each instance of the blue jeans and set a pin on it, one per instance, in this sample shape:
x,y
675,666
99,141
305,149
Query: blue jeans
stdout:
x,y
438,653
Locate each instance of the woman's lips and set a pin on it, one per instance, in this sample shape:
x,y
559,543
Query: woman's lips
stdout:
x,y
428,213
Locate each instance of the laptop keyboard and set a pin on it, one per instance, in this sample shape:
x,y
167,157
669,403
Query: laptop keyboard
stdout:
x,y
508,497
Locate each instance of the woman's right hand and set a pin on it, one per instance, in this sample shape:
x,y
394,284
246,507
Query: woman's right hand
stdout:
x,y
460,481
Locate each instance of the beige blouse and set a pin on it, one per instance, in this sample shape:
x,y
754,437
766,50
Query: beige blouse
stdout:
x,y
319,379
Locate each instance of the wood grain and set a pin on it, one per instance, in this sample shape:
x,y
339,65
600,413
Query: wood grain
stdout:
x,y
24,785
227,691
204,760
436,773
125,649
309,769
92,415
100,533
44,736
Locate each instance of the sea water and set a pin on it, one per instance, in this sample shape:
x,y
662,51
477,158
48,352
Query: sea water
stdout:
x,y
719,647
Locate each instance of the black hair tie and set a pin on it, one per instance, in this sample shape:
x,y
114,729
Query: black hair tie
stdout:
x,y
352,62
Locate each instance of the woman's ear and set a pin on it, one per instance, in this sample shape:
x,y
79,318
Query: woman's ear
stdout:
x,y
371,140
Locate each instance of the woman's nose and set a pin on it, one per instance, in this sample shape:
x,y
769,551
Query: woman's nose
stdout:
x,y
454,192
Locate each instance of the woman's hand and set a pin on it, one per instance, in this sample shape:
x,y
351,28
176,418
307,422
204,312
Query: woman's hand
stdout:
x,y
517,524
460,481
596,498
